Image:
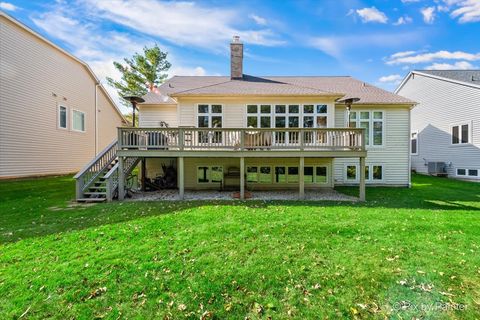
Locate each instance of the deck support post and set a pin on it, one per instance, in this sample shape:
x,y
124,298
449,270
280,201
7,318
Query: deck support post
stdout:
x,y
242,178
181,178
301,192
362,179
121,178
144,172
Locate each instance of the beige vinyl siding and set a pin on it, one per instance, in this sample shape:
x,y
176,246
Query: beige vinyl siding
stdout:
x,y
35,78
440,105
152,115
393,156
108,120
234,108
191,165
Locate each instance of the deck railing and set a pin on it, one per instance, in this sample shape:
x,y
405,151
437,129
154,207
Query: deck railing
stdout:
x,y
242,139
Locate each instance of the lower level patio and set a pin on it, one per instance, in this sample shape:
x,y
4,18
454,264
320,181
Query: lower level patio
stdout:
x,y
324,194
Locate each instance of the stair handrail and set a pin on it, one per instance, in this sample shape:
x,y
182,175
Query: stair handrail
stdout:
x,y
94,168
111,178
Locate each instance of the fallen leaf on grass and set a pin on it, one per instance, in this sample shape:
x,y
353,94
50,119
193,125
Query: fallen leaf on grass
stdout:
x,y
97,292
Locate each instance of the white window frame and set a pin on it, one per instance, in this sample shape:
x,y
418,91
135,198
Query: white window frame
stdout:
x,y
58,117
209,114
469,134
315,182
84,121
411,139
370,125
467,174
287,114
357,178
370,172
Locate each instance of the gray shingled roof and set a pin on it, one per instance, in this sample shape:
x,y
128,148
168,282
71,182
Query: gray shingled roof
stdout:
x,y
345,87
157,98
467,76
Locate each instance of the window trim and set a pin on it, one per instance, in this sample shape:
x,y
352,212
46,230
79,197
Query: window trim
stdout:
x,y
411,139
84,121
209,175
370,171
370,124
209,114
58,117
467,175
469,134
273,114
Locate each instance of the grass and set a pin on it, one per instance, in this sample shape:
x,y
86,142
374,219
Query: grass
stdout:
x,y
405,253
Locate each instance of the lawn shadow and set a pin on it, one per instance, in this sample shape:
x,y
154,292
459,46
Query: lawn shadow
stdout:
x,y
29,217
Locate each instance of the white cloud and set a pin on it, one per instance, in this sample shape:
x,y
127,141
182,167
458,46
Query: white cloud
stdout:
x,y
372,15
100,48
403,20
460,65
410,1
335,46
8,6
182,23
391,79
411,57
428,14
258,20
467,11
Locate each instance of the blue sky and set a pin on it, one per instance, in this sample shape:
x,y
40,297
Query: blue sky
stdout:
x,y
377,41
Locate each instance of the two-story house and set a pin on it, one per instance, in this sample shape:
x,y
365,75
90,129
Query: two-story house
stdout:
x,y
445,134
267,133
55,115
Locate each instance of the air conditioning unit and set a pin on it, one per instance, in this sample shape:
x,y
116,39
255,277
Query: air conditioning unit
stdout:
x,y
437,169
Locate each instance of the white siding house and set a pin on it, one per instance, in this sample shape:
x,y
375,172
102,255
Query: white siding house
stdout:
x,y
268,133
55,115
445,125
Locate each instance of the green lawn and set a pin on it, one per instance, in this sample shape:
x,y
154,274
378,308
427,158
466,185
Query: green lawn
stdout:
x,y
404,253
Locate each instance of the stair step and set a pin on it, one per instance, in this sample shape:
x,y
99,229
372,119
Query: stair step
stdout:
x,y
95,193
97,187
91,200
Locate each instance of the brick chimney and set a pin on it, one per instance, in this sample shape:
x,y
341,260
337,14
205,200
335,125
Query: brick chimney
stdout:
x,y
236,59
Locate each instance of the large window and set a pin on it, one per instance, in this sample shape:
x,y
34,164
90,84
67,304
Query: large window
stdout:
x,y
372,122
78,121
461,133
287,115
209,174
209,116
62,117
414,143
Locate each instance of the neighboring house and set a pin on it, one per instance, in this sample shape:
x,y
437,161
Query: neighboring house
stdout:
x,y
445,129
55,115
254,133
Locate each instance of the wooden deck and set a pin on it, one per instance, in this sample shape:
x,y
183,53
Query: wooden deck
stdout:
x,y
241,142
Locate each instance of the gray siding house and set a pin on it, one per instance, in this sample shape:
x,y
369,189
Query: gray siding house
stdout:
x,y
445,134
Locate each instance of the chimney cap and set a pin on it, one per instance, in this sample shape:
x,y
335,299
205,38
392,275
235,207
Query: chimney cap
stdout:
x,y
236,39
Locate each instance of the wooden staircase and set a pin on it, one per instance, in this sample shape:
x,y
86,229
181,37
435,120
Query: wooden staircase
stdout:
x,y
98,180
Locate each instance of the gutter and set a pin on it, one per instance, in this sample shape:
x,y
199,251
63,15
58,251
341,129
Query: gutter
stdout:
x,y
96,117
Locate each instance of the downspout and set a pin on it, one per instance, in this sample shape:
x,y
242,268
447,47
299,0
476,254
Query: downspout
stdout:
x,y
96,117
410,147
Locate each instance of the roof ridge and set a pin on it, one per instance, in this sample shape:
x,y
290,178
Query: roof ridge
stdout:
x,y
201,87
